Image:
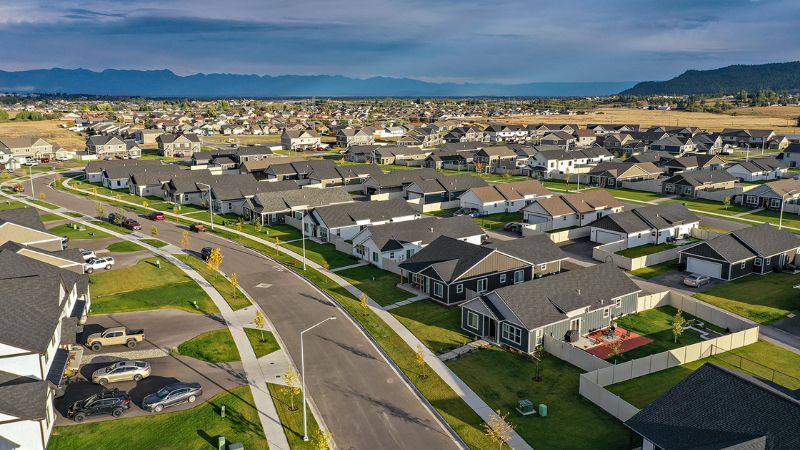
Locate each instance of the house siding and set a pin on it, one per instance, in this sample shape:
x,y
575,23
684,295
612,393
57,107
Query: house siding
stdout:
x,y
594,319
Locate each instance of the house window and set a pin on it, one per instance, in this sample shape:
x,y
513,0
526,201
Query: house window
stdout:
x,y
375,256
767,261
742,266
459,288
606,312
539,336
511,333
472,320
502,278
669,188
758,262
483,285
519,276
438,290
618,303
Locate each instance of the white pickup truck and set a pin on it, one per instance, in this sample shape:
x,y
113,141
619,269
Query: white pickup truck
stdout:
x,y
104,262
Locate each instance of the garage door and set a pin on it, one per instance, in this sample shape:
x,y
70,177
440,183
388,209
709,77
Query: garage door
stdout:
x,y
604,237
703,267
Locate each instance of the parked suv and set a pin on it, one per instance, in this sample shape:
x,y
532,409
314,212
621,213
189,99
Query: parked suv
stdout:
x,y
205,253
121,371
155,215
116,218
113,402
131,224
93,264
88,255
171,395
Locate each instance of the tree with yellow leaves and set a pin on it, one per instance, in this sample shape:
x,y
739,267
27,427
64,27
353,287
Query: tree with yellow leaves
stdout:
x,y
419,359
292,380
154,231
42,196
322,440
185,239
261,323
214,259
498,429
234,284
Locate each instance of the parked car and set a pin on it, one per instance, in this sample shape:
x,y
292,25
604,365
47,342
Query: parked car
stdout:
x,y
131,224
87,254
121,371
197,227
104,262
205,253
514,227
696,280
114,402
115,336
466,212
116,218
31,162
155,215
61,158
44,160
171,395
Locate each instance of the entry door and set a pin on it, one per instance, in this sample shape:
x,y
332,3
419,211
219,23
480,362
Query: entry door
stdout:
x,y
492,330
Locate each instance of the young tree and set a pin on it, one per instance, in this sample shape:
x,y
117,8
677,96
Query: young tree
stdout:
x,y
100,209
677,325
185,239
615,347
214,259
42,196
261,323
726,202
234,284
290,377
154,231
322,440
364,300
145,204
419,360
498,429
277,244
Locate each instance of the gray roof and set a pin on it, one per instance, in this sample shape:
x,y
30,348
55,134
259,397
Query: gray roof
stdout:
x,y
701,177
536,249
548,300
392,236
22,397
27,217
716,408
284,201
760,165
99,166
766,239
402,177
724,247
658,217
449,257
348,214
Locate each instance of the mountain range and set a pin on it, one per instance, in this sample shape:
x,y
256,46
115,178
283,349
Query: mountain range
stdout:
x,y
726,80
164,83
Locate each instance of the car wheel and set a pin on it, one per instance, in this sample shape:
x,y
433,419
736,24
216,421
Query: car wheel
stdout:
x,y
117,412
158,408
89,270
96,346
108,267
102,382
192,398
137,377
79,417
131,343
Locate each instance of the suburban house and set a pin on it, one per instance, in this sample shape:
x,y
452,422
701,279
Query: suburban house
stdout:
x,y
559,138
712,408
613,174
505,133
791,155
146,136
490,158
675,145
518,316
112,146
503,197
596,154
465,134
393,184
758,169
771,195
300,139
94,169
354,136
275,207
747,138
178,145
27,147
448,269
585,137
453,160
442,192
657,224
302,170
236,155
360,153
352,176
344,221
570,210
549,161
420,137
41,308
398,241
688,184
692,162
24,226
758,249
401,155
146,181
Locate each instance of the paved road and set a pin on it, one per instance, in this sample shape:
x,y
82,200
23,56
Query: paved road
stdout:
x,y
363,402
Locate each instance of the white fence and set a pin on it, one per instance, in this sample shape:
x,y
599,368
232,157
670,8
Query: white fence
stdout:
x,y
644,185
720,194
573,355
556,236
343,246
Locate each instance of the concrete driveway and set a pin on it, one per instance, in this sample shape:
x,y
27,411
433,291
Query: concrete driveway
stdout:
x,y
214,378
674,280
580,249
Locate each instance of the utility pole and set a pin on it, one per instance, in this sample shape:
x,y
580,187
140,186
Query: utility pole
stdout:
x,y
303,374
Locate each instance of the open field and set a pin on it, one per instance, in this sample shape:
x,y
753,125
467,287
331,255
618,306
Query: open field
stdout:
x,y
774,117
762,299
47,129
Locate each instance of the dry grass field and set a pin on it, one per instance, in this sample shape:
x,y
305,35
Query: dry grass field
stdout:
x,y
48,129
780,118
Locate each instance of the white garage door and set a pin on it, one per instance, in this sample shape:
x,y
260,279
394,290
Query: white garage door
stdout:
x,y
604,237
703,267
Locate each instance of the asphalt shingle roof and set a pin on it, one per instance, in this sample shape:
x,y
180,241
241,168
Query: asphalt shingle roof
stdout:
x,y
422,231
348,214
22,397
26,217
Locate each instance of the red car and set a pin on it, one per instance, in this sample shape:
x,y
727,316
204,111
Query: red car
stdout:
x,y
131,224
155,215
44,160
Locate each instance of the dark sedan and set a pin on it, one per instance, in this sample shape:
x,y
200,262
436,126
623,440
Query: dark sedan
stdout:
x,y
171,395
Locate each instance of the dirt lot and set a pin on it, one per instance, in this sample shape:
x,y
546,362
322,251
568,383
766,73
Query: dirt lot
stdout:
x,y
48,129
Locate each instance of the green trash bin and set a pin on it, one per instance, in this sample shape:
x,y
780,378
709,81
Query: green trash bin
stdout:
x,y
542,410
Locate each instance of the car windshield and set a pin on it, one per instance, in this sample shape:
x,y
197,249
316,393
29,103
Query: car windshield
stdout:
x,y
111,368
694,277
163,392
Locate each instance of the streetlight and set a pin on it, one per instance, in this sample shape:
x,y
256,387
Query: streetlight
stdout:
x,y
30,174
210,211
783,197
303,375
303,233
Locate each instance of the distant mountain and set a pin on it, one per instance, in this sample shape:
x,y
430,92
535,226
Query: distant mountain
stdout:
x,y
164,83
727,80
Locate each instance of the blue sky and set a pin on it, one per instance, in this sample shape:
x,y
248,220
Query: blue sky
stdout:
x,y
506,41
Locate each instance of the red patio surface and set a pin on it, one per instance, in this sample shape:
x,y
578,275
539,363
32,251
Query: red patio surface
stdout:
x,y
629,339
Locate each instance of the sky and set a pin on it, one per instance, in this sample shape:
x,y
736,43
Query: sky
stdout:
x,y
499,41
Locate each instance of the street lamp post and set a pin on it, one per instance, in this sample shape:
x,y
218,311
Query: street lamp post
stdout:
x,y
303,233
30,174
783,200
210,210
303,375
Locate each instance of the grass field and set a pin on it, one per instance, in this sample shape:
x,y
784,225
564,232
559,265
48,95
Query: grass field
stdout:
x,y
757,359
709,206
155,243
50,217
124,247
628,194
67,231
261,347
437,326
197,428
9,204
379,284
292,419
111,226
502,378
213,346
497,221
235,298
773,217
762,299
50,130
656,270
644,250
323,254
144,286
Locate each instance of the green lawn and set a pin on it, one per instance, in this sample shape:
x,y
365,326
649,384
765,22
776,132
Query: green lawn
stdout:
x,y
45,204
197,428
155,243
442,212
292,420
213,346
8,204
74,214
234,297
656,270
379,284
497,221
67,231
502,378
50,217
644,250
110,226
630,194
122,194
756,359
124,247
437,326
323,254
261,347
762,299
489,177
144,286
773,217
709,206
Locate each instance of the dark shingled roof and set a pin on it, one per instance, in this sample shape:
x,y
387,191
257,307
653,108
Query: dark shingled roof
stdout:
x,y
701,177
347,214
449,257
392,236
766,239
659,217
22,397
26,217
716,408
536,249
